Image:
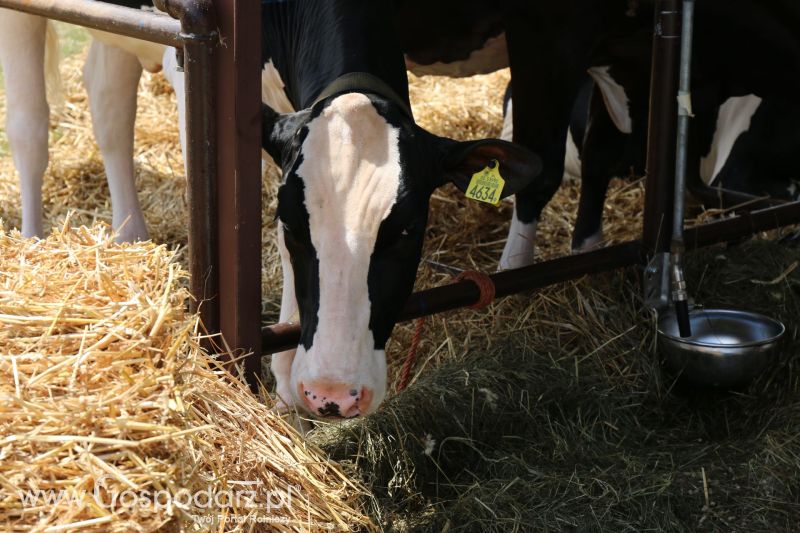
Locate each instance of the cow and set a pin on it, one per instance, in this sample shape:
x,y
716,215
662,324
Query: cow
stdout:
x,y
29,56
742,47
737,140
357,176
548,47
748,144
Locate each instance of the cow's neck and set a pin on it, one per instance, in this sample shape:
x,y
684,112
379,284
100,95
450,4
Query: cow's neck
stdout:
x,y
313,43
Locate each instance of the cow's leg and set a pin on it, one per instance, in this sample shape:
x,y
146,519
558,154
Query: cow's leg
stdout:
x,y
545,86
22,44
603,155
282,362
176,78
112,77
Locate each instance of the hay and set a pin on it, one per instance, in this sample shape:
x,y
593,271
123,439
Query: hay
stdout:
x,y
570,423
106,399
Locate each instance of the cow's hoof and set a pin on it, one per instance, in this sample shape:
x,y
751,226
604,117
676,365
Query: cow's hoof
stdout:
x,y
131,231
593,242
516,261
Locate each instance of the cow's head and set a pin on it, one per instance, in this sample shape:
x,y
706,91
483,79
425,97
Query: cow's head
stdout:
x,y
357,178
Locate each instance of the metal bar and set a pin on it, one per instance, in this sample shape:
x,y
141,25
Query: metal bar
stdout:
x,y
744,225
201,192
198,19
684,114
680,296
720,197
105,17
662,128
239,138
284,336
464,293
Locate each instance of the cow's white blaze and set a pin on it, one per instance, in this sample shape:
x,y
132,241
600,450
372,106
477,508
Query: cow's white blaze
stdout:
x,y
351,174
733,120
281,364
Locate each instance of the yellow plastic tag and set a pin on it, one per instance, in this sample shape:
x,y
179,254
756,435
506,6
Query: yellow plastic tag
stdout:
x,y
487,185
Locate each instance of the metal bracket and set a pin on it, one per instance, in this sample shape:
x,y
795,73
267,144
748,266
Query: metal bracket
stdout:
x,y
656,282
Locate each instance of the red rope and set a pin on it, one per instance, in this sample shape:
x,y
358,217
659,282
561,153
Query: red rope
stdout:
x,y
405,373
485,286
487,294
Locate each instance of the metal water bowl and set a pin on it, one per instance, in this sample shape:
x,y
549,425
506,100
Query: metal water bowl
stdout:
x,y
727,348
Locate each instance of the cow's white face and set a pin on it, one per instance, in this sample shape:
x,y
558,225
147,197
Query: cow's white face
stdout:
x,y
353,208
350,170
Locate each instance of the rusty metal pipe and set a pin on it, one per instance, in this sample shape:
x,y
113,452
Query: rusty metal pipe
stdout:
x,y
662,128
284,336
198,28
102,16
201,159
197,17
464,293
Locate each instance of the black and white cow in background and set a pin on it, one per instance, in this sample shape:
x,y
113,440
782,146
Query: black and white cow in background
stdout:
x,y
747,144
29,57
358,174
742,47
739,142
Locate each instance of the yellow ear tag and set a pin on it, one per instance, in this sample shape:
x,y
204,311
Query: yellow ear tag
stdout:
x,y
487,185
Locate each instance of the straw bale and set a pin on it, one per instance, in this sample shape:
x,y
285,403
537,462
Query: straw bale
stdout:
x,y
112,418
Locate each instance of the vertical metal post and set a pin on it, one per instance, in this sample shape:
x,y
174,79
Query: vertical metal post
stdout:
x,y
238,92
198,31
202,188
662,128
680,296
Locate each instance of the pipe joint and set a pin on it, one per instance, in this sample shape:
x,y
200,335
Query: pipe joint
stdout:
x,y
198,18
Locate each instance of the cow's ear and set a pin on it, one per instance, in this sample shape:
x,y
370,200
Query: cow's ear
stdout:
x,y
518,166
278,129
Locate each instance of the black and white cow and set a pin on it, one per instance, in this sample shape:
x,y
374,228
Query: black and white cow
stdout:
x,y
742,47
737,140
748,144
358,174
29,56
548,46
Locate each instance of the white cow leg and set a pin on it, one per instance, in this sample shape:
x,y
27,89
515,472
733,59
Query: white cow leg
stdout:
x,y
112,79
282,362
22,44
176,79
520,245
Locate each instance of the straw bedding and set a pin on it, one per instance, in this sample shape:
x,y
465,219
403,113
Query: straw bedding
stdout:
x,y
113,419
541,412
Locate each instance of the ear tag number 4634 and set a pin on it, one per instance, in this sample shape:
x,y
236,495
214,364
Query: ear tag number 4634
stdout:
x,y
487,185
